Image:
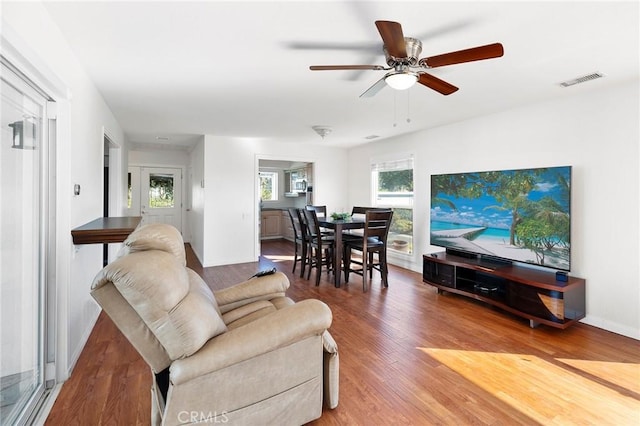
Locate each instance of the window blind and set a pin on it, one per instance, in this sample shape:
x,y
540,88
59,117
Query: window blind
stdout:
x,y
393,165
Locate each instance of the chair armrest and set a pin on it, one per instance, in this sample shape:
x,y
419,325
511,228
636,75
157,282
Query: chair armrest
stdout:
x,y
278,329
259,288
331,371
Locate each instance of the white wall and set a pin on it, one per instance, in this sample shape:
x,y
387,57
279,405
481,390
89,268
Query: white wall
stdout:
x,y
230,228
196,216
159,158
83,117
596,132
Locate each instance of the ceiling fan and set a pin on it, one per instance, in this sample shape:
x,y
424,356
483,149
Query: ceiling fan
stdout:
x,y
402,55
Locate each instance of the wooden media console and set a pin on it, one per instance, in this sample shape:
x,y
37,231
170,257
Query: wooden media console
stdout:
x,y
527,292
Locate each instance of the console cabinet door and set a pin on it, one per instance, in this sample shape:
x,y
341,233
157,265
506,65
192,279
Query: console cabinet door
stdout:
x,y
542,303
439,273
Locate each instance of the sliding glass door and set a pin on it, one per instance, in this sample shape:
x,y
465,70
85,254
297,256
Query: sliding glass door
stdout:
x,y
23,246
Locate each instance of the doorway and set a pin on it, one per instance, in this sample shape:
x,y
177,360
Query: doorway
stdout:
x,y
281,183
106,184
155,194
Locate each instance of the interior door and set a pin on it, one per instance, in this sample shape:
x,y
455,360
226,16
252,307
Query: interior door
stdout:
x,y
161,196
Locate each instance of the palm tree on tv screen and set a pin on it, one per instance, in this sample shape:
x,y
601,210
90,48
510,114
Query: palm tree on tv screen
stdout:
x,y
511,191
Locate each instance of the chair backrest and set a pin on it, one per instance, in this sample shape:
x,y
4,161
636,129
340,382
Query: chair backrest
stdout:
x,y
321,211
302,220
163,308
295,222
364,210
360,211
311,220
377,224
155,236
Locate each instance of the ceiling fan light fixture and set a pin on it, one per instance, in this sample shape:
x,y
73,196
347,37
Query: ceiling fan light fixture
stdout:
x,y
401,80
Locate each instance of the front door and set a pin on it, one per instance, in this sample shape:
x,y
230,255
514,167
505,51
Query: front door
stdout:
x,y
158,191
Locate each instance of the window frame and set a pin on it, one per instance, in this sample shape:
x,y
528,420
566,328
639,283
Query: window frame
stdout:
x,y
399,162
273,175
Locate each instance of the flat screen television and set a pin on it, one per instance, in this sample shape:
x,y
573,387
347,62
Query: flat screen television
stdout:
x,y
519,215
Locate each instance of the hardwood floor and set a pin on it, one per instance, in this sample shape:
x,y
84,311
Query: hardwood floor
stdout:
x,y
407,356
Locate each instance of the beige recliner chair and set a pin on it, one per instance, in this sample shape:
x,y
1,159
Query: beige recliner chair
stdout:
x,y
246,354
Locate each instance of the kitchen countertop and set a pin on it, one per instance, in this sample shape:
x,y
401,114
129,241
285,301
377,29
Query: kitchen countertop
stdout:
x,y
274,209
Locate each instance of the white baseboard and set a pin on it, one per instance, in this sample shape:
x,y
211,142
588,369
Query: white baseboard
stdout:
x,y
613,327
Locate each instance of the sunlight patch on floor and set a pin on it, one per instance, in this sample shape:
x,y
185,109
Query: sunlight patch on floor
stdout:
x,y
625,375
277,258
545,392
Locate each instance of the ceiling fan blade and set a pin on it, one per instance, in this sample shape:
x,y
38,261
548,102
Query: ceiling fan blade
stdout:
x,y
357,74
436,84
313,45
373,90
345,67
479,53
393,38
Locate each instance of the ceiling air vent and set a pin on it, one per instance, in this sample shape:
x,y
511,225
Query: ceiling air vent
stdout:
x,y
582,79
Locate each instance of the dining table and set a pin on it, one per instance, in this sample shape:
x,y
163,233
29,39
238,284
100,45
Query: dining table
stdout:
x,y
339,225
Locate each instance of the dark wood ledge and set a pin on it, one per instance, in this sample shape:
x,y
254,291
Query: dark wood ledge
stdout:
x,y
105,230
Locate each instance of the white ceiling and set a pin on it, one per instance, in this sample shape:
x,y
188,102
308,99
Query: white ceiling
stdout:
x,y
240,69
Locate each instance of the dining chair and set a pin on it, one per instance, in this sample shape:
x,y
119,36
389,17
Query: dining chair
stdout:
x,y
358,212
320,247
299,241
372,246
321,211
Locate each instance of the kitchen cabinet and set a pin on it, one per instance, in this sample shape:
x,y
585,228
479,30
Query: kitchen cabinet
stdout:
x,y
270,224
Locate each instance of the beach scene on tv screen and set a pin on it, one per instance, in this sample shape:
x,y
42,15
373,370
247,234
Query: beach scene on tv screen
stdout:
x,y
521,215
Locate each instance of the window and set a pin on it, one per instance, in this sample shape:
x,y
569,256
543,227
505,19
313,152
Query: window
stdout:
x,y
392,186
161,190
268,186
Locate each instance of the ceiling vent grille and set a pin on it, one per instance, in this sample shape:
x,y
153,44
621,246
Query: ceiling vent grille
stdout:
x,y
582,79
